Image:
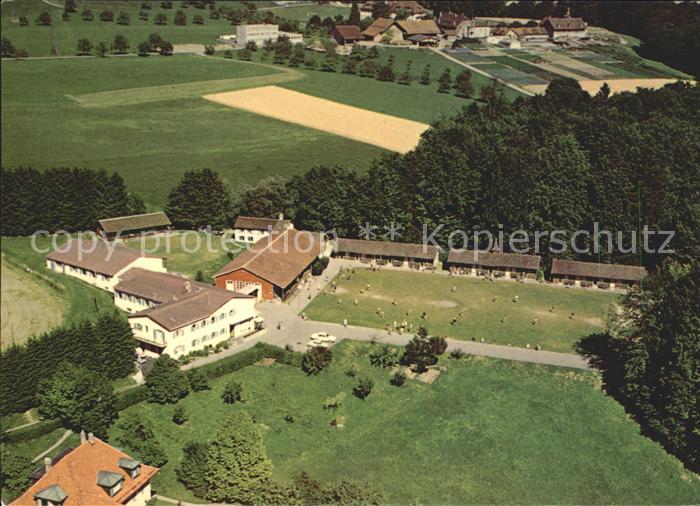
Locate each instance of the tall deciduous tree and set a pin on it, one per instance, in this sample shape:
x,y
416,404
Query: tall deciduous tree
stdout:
x,y
238,469
136,435
165,382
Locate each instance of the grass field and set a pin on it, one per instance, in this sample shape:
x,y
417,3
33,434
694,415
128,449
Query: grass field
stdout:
x,y
500,322
304,12
78,300
151,144
182,254
487,431
61,37
29,307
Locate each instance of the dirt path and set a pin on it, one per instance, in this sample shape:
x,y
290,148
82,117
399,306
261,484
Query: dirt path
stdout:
x,y
65,436
388,132
483,73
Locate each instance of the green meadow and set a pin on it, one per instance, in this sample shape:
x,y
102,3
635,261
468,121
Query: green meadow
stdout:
x,y
486,432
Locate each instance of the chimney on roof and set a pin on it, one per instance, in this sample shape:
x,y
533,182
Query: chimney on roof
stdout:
x,y
83,438
188,286
91,438
280,216
47,464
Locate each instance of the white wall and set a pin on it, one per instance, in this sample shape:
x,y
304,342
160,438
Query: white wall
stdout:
x,y
141,498
196,336
100,280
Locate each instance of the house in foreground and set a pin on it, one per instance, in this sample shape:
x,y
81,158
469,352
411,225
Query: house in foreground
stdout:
x,y
507,265
173,315
571,272
250,229
418,256
273,266
99,262
124,226
93,474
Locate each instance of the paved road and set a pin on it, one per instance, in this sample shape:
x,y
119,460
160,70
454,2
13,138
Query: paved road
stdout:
x,y
295,332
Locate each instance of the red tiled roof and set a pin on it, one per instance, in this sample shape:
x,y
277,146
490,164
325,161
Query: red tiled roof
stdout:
x,y
76,474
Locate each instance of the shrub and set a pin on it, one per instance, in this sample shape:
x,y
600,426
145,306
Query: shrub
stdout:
x,y
333,403
319,266
457,354
232,392
144,48
398,379
363,388
124,18
198,382
137,436
384,356
44,19
107,15
166,48
352,370
179,415
316,359
87,15
208,50
228,54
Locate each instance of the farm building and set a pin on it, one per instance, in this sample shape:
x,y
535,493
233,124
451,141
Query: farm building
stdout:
x,y
93,473
474,262
177,316
528,33
260,33
273,266
125,226
413,10
458,26
100,263
570,272
423,32
250,229
418,256
346,34
450,20
565,28
381,29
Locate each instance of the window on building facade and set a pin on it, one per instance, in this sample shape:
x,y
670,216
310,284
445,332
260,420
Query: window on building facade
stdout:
x,y
195,343
158,335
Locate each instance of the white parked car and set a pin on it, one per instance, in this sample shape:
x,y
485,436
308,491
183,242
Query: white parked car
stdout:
x,y
323,337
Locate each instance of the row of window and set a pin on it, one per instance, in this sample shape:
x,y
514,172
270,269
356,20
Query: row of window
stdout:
x,y
197,342
133,298
85,272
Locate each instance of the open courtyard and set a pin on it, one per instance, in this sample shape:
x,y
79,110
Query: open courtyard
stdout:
x,y
551,317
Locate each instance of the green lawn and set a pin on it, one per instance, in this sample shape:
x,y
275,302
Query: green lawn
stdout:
x,y
303,13
63,35
82,300
416,101
487,431
152,143
500,322
183,256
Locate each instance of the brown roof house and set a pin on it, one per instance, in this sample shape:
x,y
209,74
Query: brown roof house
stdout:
x,y
274,265
99,262
250,229
421,32
475,262
383,30
347,34
174,315
93,474
562,28
418,256
134,224
571,272
412,9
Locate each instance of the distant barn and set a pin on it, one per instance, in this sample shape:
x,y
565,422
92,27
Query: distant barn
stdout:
x,y
134,224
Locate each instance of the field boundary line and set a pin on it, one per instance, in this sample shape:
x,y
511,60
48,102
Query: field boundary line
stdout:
x,y
192,89
483,73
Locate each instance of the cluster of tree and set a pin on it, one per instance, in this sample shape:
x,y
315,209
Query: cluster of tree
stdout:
x,y
61,198
423,350
201,198
560,161
136,434
44,19
166,383
155,44
667,29
8,50
106,346
234,468
316,360
81,398
650,358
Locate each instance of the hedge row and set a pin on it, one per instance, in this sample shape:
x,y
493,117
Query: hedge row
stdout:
x,y
32,432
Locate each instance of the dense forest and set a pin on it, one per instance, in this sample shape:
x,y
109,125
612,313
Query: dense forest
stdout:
x,y
668,30
561,161
105,346
61,198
